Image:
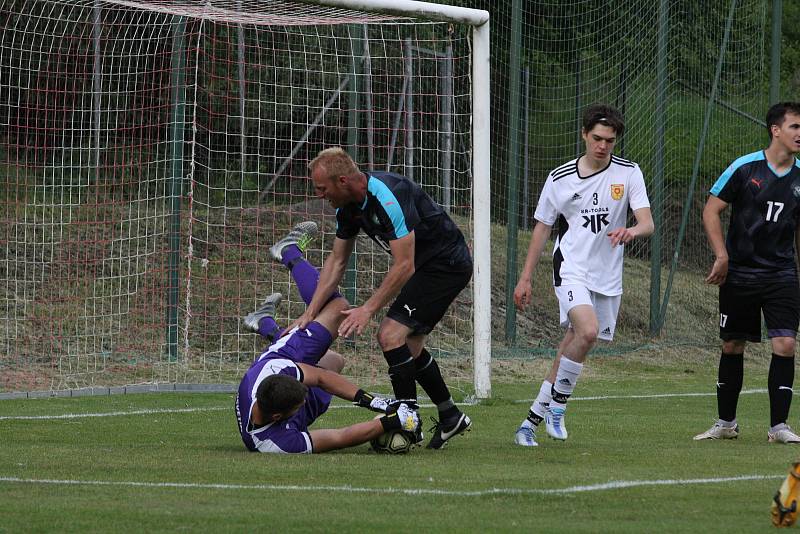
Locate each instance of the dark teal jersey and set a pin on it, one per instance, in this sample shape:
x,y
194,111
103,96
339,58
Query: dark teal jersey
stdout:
x,y
394,207
763,221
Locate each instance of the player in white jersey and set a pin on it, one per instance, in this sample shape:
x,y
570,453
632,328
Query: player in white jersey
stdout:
x,y
589,198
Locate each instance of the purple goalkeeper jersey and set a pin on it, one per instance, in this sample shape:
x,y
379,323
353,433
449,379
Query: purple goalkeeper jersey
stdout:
x,y
289,435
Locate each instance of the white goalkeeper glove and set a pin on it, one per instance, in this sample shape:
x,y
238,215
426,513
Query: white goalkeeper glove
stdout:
x,y
400,416
380,404
371,402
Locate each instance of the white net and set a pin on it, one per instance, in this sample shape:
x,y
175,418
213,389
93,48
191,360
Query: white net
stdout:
x,y
153,151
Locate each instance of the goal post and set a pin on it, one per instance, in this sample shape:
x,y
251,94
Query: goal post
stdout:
x,y
153,151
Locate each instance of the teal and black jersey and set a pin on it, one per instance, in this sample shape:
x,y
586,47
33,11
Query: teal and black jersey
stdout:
x,y
763,221
394,207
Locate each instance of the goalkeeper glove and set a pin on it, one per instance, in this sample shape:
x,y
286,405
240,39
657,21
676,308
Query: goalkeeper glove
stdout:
x,y
400,417
370,402
784,504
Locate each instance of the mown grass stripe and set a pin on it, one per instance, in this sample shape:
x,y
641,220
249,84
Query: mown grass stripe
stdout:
x,y
605,486
338,406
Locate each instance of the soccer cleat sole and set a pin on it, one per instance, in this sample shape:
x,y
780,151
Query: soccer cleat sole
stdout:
x,y
301,235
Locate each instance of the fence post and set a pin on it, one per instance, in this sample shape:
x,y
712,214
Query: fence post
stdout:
x,y
512,208
658,164
178,64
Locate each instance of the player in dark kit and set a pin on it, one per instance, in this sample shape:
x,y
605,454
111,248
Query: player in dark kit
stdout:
x,y
756,270
291,384
431,265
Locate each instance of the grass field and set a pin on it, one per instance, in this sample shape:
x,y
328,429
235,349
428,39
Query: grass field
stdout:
x,y
167,462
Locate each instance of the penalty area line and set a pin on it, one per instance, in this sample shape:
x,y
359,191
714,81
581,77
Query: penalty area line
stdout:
x,y
605,486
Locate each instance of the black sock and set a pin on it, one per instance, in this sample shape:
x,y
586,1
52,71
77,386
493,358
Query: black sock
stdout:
x,y
729,384
401,372
779,384
430,378
533,418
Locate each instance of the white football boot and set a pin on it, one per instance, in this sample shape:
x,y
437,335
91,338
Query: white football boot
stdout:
x,y
720,431
554,423
782,434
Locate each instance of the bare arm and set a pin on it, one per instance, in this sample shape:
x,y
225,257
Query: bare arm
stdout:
x,y
401,270
522,293
329,439
339,438
333,383
329,277
712,222
644,227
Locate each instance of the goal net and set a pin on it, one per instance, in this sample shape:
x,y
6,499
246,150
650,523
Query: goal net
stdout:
x,y
153,151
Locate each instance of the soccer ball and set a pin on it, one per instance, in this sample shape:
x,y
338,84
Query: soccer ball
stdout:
x,y
393,442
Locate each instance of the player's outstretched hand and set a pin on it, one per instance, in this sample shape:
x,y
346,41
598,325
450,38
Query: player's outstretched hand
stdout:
x,y
403,417
356,320
371,402
394,404
522,294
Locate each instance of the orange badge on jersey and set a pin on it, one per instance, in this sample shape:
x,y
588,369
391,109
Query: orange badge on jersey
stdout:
x,y
617,190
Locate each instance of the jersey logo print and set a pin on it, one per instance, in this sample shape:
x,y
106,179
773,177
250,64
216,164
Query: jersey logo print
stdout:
x,y
382,242
575,197
595,223
756,182
617,190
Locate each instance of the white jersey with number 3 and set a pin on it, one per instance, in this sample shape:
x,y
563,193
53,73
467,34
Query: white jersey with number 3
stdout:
x,y
586,209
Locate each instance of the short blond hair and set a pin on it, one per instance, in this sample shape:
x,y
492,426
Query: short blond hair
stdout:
x,y
335,161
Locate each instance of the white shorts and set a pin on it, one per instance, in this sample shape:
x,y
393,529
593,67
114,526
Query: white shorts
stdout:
x,y
605,307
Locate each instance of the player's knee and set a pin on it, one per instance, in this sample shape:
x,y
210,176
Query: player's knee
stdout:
x,y
734,346
784,346
332,361
588,336
389,339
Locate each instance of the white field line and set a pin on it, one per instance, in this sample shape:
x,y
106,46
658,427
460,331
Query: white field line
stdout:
x,y
154,412
653,396
606,486
335,406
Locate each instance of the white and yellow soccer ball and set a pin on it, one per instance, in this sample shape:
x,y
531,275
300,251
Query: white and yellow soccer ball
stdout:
x,y
393,442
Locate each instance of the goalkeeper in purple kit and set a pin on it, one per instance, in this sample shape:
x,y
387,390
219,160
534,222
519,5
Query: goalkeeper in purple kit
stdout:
x,y
292,383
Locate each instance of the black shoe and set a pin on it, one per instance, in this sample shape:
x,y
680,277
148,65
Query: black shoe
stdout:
x,y
444,431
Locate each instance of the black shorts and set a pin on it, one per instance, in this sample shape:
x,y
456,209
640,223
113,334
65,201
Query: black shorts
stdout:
x,y
740,308
427,295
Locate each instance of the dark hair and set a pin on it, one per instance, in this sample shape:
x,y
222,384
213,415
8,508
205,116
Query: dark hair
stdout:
x,y
777,113
605,115
278,394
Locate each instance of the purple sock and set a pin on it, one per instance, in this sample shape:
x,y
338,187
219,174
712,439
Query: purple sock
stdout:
x,y
290,253
305,275
269,329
